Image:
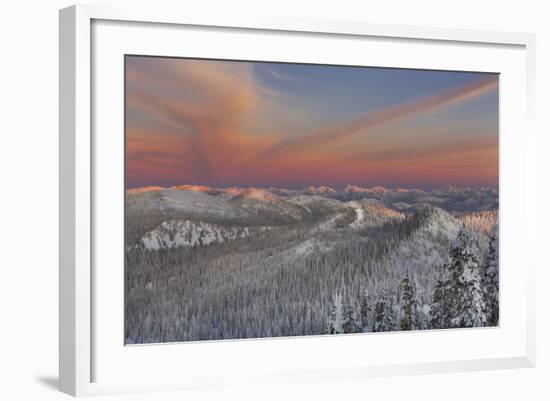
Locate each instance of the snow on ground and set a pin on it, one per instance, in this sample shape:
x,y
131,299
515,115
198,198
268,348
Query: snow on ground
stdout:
x,y
429,246
173,234
198,202
305,200
308,247
442,223
372,214
255,200
359,216
483,221
305,248
401,205
328,224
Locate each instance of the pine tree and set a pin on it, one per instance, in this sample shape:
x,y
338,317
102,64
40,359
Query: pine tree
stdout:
x,y
383,314
350,324
464,299
364,311
410,308
491,281
336,320
438,314
379,314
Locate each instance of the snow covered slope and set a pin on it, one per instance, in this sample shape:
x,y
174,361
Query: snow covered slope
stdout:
x,y
136,191
272,207
172,234
191,202
428,244
372,214
484,221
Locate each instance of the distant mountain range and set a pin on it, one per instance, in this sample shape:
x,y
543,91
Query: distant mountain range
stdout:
x,y
450,198
195,214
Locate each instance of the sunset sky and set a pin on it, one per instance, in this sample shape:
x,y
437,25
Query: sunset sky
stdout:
x,y
227,123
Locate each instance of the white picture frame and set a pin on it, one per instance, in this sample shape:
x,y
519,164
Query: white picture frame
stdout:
x,y
79,155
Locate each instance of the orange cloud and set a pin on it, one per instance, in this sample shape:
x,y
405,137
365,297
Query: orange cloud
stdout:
x,y
206,103
459,161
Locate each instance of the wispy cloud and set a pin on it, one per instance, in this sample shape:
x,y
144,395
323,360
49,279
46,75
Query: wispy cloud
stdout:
x,y
426,104
280,76
206,103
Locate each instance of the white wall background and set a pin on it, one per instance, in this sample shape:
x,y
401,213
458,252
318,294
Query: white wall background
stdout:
x,y
29,199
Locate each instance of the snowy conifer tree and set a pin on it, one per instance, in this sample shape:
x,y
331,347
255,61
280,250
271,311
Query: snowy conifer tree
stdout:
x,y
350,323
491,281
336,320
364,311
383,314
410,307
464,298
438,314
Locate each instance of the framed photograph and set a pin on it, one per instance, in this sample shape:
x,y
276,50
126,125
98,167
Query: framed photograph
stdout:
x,y
271,201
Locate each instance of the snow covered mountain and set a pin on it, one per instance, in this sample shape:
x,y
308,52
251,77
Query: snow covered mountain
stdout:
x,y
427,245
136,191
448,198
264,205
206,210
173,234
229,262
322,190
